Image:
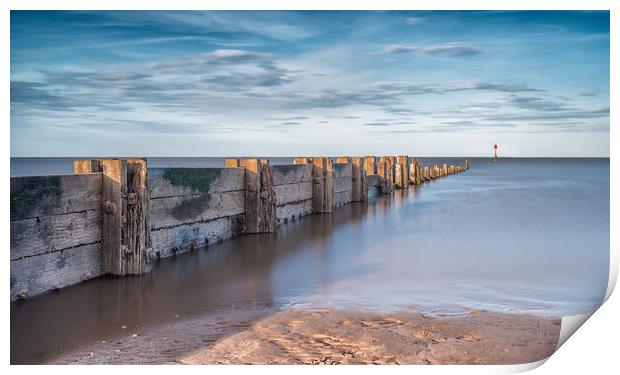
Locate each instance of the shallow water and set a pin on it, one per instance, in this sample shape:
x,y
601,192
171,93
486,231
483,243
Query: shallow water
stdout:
x,y
521,235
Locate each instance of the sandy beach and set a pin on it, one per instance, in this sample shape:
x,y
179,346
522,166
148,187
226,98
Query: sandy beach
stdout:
x,y
327,336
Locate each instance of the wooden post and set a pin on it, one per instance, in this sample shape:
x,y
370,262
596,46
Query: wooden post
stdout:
x,y
402,172
323,191
86,166
427,174
322,183
384,170
444,170
370,165
343,159
391,170
232,163
418,172
436,171
451,169
126,234
260,195
302,160
136,233
466,164
360,187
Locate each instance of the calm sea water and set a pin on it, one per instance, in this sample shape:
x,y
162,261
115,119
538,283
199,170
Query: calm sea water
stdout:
x,y
520,235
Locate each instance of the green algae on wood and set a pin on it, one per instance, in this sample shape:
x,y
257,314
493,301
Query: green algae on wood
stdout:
x,y
198,179
29,193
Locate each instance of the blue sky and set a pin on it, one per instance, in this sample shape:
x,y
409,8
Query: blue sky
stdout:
x,y
445,83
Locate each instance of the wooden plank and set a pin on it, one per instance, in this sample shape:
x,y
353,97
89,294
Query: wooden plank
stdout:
x,y
183,238
34,236
54,195
343,170
169,182
343,184
172,211
291,174
293,211
291,193
34,275
373,181
343,197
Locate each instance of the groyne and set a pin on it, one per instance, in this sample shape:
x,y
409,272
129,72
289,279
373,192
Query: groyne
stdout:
x,y
117,216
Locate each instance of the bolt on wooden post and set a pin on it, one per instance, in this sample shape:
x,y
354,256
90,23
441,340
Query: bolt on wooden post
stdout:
x,y
260,195
126,234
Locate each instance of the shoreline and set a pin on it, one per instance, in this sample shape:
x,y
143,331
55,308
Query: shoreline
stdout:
x,y
329,336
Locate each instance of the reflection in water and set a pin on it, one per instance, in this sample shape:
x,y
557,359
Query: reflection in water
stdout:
x,y
518,236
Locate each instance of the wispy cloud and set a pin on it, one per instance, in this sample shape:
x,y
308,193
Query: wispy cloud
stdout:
x,y
456,49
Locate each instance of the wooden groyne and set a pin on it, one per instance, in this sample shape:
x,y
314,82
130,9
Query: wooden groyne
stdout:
x,y
117,216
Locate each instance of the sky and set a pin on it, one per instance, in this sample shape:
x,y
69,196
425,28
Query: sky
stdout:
x,y
275,83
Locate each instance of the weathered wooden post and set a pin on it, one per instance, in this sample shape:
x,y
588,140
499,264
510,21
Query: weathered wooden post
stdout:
x,y
392,170
466,164
437,173
384,171
126,234
323,172
323,183
232,163
418,172
370,165
451,169
343,159
427,174
360,187
402,172
444,169
432,173
260,195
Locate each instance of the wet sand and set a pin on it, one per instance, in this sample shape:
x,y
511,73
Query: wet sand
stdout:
x,y
295,336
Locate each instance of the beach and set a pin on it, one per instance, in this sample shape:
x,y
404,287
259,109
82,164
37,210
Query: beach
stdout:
x,y
327,336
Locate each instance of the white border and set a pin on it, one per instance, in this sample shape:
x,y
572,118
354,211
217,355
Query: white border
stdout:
x,y
593,348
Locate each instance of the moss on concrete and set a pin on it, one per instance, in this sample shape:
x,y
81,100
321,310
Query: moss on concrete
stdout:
x,y
28,193
198,179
